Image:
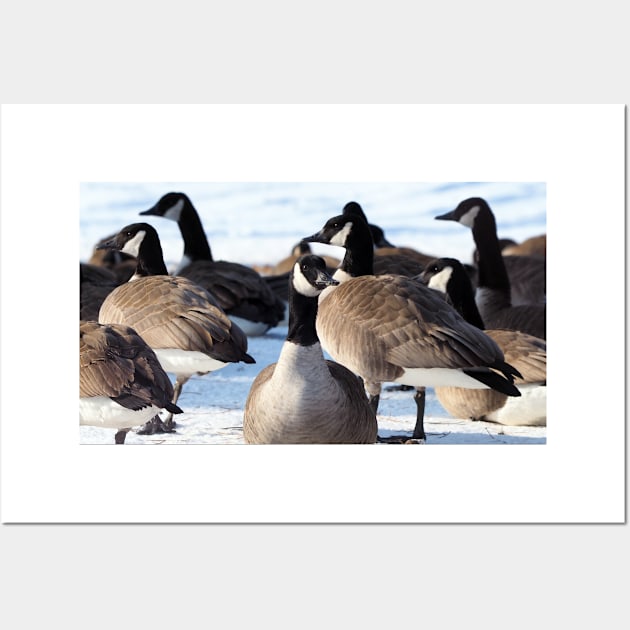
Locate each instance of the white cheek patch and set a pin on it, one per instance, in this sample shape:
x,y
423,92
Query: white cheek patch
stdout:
x,y
301,284
468,219
339,239
132,246
439,281
175,211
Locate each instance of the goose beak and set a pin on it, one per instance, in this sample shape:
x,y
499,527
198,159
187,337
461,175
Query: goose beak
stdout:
x,y
449,216
110,244
324,279
318,237
152,210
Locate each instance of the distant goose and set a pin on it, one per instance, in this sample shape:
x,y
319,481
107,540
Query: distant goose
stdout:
x,y
393,329
494,291
240,290
526,353
300,249
304,398
527,275
121,265
533,246
178,319
122,383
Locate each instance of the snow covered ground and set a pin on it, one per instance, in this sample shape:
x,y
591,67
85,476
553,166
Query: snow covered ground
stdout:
x,y
257,224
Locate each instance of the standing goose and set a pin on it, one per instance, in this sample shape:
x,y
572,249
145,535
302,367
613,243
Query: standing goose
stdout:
x,y
122,383
393,329
303,398
240,290
494,294
526,353
178,319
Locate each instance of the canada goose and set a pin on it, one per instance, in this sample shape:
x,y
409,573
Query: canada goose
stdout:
x,y
391,263
391,328
526,353
494,294
383,248
527,275
304,398
122,383
180,320
240,290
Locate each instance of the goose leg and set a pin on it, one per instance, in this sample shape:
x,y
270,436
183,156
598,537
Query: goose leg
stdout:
x,y
418,431
418,435
120,436
156,424
177,390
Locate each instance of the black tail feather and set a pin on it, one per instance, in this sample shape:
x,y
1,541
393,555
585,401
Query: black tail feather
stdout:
x,y
495,381
173,408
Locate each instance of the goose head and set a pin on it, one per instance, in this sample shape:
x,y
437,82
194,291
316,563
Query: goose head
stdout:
x,y
130,239
169,206
309,276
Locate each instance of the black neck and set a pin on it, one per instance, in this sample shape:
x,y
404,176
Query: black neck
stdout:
x,y
196,246
359,257
462,296
302,315
150,261
491,269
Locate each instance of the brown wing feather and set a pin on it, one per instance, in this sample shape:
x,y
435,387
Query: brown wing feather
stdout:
x,y
171,312
239,290
528,354
407,327
116,362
